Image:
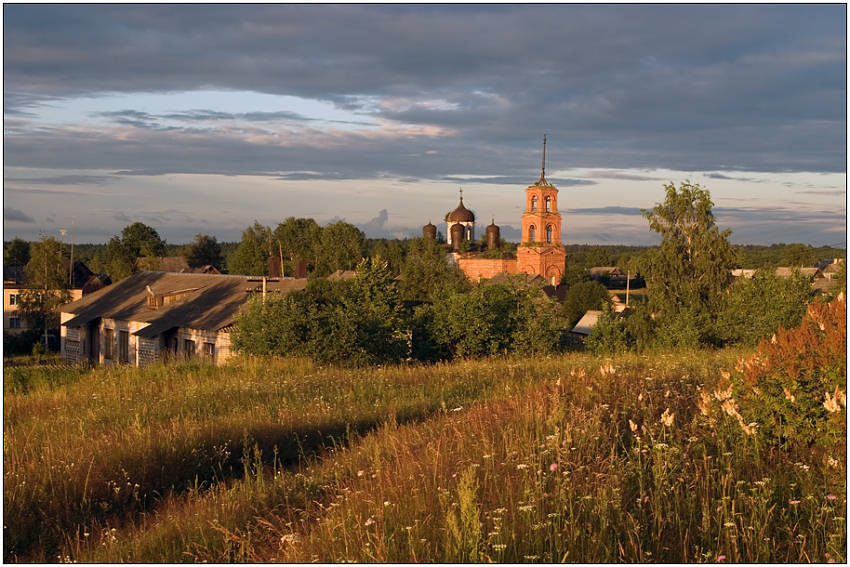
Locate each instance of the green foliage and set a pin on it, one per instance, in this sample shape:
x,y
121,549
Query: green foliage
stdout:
x,y
16,253
609,336
20,343
341,247
497,319
795,254
794,385
687,274
427,274
298,238
205,250
119,259
582,296
354,323
463,523
142,241
755,308
47,284
251,258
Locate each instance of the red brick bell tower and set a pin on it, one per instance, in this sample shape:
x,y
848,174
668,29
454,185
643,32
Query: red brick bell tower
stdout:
x,y
541,251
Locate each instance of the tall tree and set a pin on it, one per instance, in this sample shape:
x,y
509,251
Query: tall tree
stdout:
x,y
426,273
16,253
251,257
341,247
47,284
205,250
298,239
687,274
142,240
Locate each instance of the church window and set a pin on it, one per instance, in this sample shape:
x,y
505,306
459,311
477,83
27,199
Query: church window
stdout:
x,y
531,233
548,203
534,203
549,233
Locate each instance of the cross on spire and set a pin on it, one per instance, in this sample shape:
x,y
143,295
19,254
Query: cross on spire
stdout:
x,y
542,181
461,195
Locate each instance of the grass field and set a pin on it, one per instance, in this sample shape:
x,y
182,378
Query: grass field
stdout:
x,y
568,458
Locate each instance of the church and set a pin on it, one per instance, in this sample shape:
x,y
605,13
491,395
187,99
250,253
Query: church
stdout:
x,y
540,251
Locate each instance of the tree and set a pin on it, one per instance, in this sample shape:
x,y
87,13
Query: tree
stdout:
x,y
142,240
251,257
755,308
205,250
119,259
341,247
298,238
688,273
582,296
16,253
427,274
47,285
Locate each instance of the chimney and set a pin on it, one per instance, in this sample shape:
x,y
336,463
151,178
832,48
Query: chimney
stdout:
x,y
274,267
301,269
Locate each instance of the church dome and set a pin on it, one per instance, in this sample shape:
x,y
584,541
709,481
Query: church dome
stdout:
x,y
461,214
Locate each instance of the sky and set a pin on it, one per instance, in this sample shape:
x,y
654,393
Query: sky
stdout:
x,y
204,118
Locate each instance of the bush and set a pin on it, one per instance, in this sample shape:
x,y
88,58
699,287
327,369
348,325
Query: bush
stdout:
x,y
609,336
794,385
21,343
584,295
755,308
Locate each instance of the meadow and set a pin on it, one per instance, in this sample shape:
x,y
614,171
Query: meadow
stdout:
x,y
634,458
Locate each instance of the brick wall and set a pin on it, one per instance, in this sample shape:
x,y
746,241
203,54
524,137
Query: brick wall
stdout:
x,y
485,268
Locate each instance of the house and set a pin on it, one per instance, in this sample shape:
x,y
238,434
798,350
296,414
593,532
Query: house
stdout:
x,y
151,316
811,273
83,281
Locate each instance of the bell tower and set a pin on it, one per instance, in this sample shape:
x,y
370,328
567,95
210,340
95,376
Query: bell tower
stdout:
x,y
541,252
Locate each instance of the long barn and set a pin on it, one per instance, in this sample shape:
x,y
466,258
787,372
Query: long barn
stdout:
x,y
151,316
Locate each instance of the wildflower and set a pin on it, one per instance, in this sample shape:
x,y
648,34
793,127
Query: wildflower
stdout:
x,y
831,404
667,417
500,547
526,508
553,467
369,522
640,397
386,502
289,538
793,502
721,558
633,426
521,466
789,396
459,408
730,407
831,462
723,395
830,496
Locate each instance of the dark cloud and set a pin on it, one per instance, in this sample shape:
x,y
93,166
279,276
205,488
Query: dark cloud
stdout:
x,y
71,179
11,214
690,87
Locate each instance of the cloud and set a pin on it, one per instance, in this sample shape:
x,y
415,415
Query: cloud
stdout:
x,y
71,179
376,227
11,214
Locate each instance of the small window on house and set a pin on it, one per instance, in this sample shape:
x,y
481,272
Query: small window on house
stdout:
x,y
14,299
531,233
209,350
108,339
534,203
124,347
14,322
188,348
548,203
549,233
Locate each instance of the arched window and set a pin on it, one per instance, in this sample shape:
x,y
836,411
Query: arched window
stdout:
x,y
548,203
534,203
548,231
531,233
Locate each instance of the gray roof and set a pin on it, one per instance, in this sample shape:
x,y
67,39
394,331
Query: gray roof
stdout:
x,y
785,272
587,322
205,301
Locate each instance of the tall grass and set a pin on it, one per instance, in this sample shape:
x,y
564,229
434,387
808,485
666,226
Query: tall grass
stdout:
x,y
568,458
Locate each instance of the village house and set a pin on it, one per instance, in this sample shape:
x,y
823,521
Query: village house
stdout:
x,y
152,316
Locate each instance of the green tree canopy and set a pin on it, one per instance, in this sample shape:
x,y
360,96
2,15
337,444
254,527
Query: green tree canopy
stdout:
x,y
47,284
205,250
16,253
341,247
251,257
427,274
298,238
688,273
142,240
581,297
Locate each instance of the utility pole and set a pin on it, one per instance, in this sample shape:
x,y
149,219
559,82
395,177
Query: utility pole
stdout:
x,y
628,277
